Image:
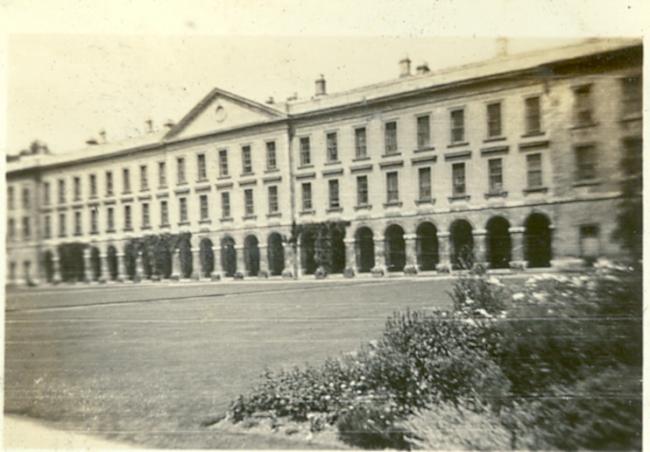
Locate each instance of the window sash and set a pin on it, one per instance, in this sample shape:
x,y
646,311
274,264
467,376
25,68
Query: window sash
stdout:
x,y
362,190
127,217
109,183
27,230
632,95
583,105
164,213
494,119
62,228
332,147
203,202
392,187
183,209
334,193
200,166
457,126
180,170
110,219
94,214
77,188
458,179
390,137
248,201
424,131
534,170
305,151
585,163
247,163
273,199
306,196
223,163
271,162
225,205
495,171
46,195
360,145
93,185
533,115
162,174
47,227
145,214
126,180
144,180
424,183
61,192
77,223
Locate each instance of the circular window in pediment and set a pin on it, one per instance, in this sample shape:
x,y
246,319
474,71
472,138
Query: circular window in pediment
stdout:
x,y
220,113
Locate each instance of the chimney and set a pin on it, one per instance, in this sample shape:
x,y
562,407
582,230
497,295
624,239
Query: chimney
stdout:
x,y
169,124
423,69
149,124
293,97
270,100
102,136
91,141
320,86
404,67
502,47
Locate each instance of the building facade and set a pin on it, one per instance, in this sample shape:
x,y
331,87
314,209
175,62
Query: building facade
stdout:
x,y
514,162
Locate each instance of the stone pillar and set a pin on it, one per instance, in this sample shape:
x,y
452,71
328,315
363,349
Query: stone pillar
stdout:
x,y
104,270
410,242
241,264
552,232
176,264
351,254
88,271
121,268
517,252
479,236
196,263
289,258
300,271
380,255
264,260
443,252
139,267
56,268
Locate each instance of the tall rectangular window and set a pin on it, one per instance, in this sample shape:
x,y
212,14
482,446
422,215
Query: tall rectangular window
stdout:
x,y
273,199
534,170
46,194
76,183
457,125
390,137
585,157
632,95
26,198
583,105
144,178
109,183
47,227
360,143
94,223
110,219
145,215
203,204
362,190
77,222
126,180
533,115
164,213
225,204
27,229
247,160
334,194
10,198
332,147
494,120
62,231
458,179
182,210
162,174
271,160
392,187
249,206
305,151
223,163
11,229
201,172
61,191
495,175
128,225
424,131
306,196
92,181
180,171
424,183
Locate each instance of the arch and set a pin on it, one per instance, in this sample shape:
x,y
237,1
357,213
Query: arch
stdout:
x,y
337,248
462,244
308,252
537,241
275,254
148,262
395,248
228,256
206,257
71,261
365,249
427,246
185,254
111,261
95,263
251,255
48,265
162,260
498,245
130,258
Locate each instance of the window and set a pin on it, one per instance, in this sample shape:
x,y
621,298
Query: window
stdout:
x,y
92,181
273,199
225,204
144,178
494,119
390,137
110,219
77,188
127,218
632,96
332,147
583,105
164,213
223,163
27,230
458,179
457,125
77,222
203,203
362,190
305,151
182,210
162,174
145,215
10,197
271,161
424,183
11,229
306,196
126,180
93,220
424,131
47,227
589,241
180,171
249,207
46,194
534,170
200,167
585,162
533,116
62,231
334,194
392,187
360,146
495,175
247,161
109,183
26,196
61,191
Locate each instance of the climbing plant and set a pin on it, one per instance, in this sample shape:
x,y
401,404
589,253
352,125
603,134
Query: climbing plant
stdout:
x,y
328,247
157,251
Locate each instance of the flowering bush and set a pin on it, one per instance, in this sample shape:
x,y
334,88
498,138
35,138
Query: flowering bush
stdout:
x,y
476,294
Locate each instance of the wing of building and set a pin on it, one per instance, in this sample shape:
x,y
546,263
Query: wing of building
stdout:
x,y
515,162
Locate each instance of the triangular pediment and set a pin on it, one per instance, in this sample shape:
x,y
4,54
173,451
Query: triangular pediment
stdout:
x,y
220,111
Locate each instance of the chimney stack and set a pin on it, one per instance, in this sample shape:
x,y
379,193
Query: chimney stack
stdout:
x,y
91,141
102,136
404,67
270,100
169,124
293,97
320,86
149,124
502,47
423,69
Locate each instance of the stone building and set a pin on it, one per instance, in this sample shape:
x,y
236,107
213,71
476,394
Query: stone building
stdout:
x,y
514,161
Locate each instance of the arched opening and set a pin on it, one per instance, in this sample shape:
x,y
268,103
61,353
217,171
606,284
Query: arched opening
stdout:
x,y
395,248
111,260
148,263
206,256
337,246
275,253
185,255
365,249
71,261
228,256
427,246
130,259
308,252
462,244
251,255
48,265
537,240
162,260
95,263
498,245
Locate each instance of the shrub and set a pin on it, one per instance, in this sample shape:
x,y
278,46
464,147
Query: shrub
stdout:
x,y
348,272
320,273
475,293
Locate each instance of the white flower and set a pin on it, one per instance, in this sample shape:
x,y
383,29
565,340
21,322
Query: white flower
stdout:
x,y
494,281
469,301
482,312
518,296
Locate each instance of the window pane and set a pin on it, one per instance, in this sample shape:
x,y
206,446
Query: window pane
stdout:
x,y
305,152
390,137
494,119
223,163
392,188
534,164
457,126
458,178
495,170
270,155
306,196
334,193
424,183
533,120
424,131
362,190
360,142
332,147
